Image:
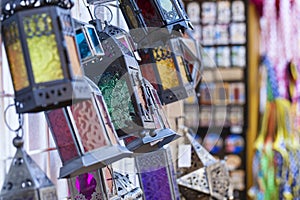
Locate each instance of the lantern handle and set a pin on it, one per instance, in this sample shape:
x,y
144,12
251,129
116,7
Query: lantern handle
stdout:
x,y
19,131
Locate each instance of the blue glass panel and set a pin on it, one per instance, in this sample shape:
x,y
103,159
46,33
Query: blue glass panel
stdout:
x,y
95,41
82,43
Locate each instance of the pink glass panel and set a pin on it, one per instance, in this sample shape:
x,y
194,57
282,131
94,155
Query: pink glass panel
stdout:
x,y
89,126
86,185
62,135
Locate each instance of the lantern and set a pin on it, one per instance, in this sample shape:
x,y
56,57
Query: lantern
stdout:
x,y
156,175
25,180
84,135
173,69
212,179
42,54
88,42
96,184
153,20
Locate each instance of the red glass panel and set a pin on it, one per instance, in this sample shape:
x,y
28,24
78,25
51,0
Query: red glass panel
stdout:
x,y
91,131
150,13
62,135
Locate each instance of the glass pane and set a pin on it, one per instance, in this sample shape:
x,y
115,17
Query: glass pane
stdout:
x,y
150,14
62,135
166,69
83,45
73,55
132,18
15,57
182,70
117,97
44,55
169,11
91,131
95,41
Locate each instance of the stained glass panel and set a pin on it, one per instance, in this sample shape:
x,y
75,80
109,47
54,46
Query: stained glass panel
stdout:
x,y
41,41
169,11
73,54
150,14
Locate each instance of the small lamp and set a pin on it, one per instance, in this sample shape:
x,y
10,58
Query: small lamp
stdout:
x,y
40,44
84,135
152,17
173,69
25,180
88,42
156,175
212,179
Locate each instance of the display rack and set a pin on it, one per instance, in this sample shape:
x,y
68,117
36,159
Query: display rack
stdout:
x,y
221,118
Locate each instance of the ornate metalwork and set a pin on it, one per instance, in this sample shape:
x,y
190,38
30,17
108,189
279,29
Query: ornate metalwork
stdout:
x,y
126,189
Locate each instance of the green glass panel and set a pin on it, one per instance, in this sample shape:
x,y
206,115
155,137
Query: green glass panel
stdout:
x,y
117,97
44,55
15,58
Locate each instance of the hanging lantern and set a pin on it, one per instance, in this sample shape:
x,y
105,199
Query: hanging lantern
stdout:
x,y
42,54
212,179
88,42
126,190
156,175
174,69
25,180
84,135
147,19
96,184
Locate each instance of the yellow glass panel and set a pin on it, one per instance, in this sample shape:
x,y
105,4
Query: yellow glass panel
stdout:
x,y
44,55
168,74
16,60
74,57
182,70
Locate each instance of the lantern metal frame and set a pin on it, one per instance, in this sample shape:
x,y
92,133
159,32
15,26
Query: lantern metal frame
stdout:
x,y
145,26
85,160
33,92
25,179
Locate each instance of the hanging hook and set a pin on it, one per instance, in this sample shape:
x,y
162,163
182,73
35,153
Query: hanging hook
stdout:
x,y
19,131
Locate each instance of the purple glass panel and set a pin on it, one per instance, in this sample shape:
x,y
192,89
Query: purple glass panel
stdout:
x,y
156,184
86,185
62,135
92,133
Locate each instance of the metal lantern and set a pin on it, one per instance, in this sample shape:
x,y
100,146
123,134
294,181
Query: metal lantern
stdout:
x,y
88,42
40,44
147,18
25,180
84,135
212,179
173,69
96,184
156,175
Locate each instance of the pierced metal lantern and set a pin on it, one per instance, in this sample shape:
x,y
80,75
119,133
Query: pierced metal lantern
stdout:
x,y
88,42
96,184
147,18
173,69
126,190
156,175
212,179
84,135
25,180
40,45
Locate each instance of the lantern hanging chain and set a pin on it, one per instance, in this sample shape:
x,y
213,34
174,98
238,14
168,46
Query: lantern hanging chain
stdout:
x,y
19,131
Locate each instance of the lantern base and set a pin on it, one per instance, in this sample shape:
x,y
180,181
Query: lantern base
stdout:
x,y
94,160
151,143
51,97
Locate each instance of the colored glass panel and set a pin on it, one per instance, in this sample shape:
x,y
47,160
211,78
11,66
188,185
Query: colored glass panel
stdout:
x,y
168,73
15,57
131,16
73,55
62,134
150,13
92,134
95,41
182,70
117,97
83,45
42,46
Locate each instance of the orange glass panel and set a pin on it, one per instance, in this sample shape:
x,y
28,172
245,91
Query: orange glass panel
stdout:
x,y
44,55
16,59
73,54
